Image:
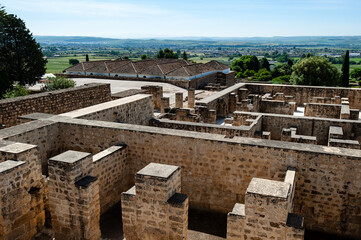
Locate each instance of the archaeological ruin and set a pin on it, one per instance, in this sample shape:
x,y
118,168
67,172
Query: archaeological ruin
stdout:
x,y
252,161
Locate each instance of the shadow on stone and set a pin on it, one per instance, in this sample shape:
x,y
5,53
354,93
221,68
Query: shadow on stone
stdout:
x,y
111,225
210,222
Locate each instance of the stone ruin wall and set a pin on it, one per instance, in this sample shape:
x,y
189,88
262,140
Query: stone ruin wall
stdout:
x,y
323,110
137,109
54,102
309,126
328,184
22,191
305,94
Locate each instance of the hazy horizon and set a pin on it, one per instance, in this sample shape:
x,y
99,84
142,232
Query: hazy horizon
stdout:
x,y
142,19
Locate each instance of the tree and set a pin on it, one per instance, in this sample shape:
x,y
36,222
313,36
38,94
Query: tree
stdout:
x,y
73,61
265,64
316,71
21,58
246,62
87,58
282,58
290,62
345,77
160,54
356,74
144,56
281,70
185,56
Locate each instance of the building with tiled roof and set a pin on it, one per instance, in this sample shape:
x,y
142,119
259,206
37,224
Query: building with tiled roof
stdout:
x,y
165,69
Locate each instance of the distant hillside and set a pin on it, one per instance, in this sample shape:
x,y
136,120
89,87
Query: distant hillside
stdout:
x,y
306,41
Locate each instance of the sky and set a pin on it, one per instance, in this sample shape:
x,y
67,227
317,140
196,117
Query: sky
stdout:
x,y
186,18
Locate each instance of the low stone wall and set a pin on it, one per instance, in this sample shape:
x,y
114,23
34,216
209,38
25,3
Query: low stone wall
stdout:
x,y
278,107
111,169
215,166
228,131
54,102
203,81
305,94
137,109
323,110
22,191
220,101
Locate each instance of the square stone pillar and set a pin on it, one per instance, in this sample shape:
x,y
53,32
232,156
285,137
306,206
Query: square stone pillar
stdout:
x,y
191,97
164,104
235,222
179,100
154,209
22,191
73,196
157,92
232,102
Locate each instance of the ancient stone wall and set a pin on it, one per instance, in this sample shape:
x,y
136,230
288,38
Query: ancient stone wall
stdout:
x,y
305,94
137,109
44,134
309,126
328,190
323,110
74,196
22,191
54,102
203,81
244,131
155,208
111,169
278,107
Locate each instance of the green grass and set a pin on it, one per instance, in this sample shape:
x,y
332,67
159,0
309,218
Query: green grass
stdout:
x,y
58,64
352,67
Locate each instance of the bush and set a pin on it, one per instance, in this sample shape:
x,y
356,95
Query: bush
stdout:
x,y
17,91
262,75
73,61
58,83
281,79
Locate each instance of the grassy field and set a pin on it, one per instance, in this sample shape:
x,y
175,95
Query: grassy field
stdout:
x,y
58,64
352,67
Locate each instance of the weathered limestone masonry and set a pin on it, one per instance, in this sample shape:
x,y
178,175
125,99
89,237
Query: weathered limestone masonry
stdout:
x,y
154,209
74,196
220,101
53,102
165,104
22,191
137,109
112,170
191,97
157,92
328,189
228,131
323,110
305,94
307,126
267,212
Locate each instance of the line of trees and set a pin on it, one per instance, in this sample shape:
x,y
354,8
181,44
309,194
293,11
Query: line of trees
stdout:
x,y
310,70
